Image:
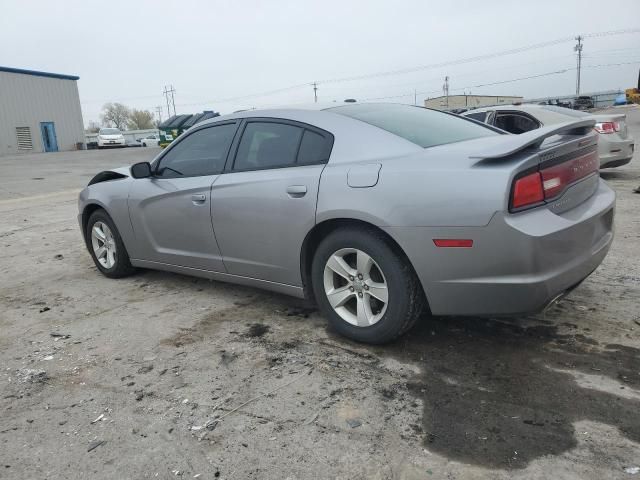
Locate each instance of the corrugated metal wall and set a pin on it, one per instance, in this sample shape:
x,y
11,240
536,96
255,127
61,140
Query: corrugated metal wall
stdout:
x,y
27,100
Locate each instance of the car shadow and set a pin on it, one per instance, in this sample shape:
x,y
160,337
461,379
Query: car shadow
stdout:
x,y
617,174
501,393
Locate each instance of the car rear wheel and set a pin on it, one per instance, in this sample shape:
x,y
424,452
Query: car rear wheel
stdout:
x,y
106,246
366,289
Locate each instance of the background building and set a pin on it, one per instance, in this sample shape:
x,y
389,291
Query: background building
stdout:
x,y
469,101
39,112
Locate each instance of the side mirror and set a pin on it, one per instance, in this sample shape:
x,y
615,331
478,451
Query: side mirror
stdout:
x,y
141,170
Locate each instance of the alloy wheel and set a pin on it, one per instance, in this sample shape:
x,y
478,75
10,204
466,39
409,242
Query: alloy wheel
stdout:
x,y
103,244
356,287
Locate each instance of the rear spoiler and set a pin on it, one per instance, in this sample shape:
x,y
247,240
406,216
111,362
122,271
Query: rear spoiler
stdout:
x,y
512,144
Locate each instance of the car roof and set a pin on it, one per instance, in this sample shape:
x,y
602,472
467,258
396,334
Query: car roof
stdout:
x,y
350,134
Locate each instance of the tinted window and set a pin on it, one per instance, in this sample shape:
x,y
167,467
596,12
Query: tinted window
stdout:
x,y
314,148
201,153
266,145
421,126
515,123
480,116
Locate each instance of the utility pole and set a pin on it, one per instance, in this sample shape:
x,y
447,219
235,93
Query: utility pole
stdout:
x,y
578,48
415,97
315,92
445,89
173,100
166,92
159,112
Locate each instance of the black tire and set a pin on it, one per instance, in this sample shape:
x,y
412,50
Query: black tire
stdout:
x,y
122,266
405,296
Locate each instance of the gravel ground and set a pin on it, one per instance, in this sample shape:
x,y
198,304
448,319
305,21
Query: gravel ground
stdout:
x,y
164,376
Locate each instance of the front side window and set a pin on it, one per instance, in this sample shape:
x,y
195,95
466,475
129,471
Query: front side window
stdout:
x,y
422,126
267,145
203,152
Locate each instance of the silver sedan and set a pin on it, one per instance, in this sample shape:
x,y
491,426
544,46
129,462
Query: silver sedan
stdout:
x,y
377,212
615,144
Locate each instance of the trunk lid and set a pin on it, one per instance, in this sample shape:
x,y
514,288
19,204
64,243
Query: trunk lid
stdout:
x,y
555,166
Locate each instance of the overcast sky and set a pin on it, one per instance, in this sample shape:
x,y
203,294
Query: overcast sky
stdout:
x,y
213,51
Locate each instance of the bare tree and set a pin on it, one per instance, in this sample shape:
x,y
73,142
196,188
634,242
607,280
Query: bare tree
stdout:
x,y
140,120
115,114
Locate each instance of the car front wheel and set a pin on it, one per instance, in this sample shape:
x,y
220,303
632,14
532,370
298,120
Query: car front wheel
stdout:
x,y
366,289
106,246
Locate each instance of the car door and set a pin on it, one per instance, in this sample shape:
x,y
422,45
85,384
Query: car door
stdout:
x,y
171,211
265,204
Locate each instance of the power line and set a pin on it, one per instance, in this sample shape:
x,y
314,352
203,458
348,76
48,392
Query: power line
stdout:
x,y
478,57
414,69
392,72
244,97
500,82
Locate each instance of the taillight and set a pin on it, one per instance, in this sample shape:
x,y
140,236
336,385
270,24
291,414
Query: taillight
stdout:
x,y
607,127
527,190
550,182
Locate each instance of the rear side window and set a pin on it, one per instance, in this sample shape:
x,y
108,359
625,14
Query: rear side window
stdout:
x,y
267,145
201,153
314,148
421,126
479,116
516,123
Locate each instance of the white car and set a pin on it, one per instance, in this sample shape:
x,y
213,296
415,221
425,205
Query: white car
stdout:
x,y
150,141
615,144
111,137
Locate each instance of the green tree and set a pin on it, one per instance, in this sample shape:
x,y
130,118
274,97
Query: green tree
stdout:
x,y
140,120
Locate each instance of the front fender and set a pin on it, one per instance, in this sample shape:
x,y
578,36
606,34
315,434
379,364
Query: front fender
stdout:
x,y
112,196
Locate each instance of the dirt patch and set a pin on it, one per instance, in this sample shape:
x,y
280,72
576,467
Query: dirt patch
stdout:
x,y
493,395
257,330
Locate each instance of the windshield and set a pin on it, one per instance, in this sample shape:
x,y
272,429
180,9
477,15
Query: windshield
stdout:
x,y
421,126
109,131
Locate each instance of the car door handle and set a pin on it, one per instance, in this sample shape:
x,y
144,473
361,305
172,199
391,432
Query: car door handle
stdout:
x,y
198,198
296,191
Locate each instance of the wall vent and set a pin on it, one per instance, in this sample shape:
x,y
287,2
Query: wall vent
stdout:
x,y
24,139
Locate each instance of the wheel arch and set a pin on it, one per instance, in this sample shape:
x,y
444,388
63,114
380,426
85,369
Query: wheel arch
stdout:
x,y
86,213
324,228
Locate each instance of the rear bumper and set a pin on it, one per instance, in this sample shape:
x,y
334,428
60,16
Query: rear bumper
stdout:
x,y
518,263
615,153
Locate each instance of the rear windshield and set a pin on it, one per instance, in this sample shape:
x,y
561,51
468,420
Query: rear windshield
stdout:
x,y
421,126
109,131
